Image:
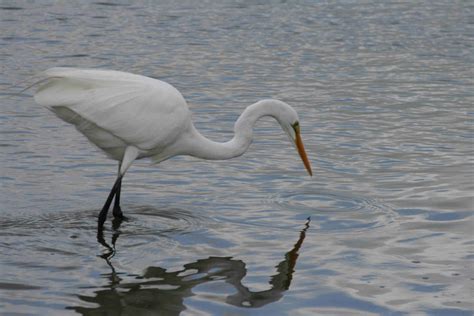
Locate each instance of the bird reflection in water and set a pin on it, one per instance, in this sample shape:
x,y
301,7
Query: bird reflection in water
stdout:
x,y
164,292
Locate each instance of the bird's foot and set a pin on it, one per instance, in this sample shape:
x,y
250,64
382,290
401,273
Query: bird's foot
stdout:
x,y
117,212
101,220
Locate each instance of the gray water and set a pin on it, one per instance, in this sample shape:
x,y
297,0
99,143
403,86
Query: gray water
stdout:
x,y
384,91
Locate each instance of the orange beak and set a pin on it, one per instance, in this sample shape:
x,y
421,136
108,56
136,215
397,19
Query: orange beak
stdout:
x,y
302,152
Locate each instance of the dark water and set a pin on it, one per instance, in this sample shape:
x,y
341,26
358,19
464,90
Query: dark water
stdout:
x,y
385,93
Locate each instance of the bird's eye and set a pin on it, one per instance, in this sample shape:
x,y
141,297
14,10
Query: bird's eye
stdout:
x,y
296,126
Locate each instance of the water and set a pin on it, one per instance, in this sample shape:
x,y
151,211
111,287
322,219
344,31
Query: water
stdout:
x,y
384,92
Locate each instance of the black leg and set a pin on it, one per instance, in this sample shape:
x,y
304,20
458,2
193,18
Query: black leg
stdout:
x,y
117,212
105,209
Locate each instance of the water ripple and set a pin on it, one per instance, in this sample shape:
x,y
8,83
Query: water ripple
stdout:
x,y
384,93
142,220
338,211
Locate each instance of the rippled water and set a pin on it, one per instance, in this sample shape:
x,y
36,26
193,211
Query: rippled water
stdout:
x,y
384,92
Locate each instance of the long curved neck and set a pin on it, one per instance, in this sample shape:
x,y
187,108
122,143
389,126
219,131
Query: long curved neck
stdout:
x,y
204,148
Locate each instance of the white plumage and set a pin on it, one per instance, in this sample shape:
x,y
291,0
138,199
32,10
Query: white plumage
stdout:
x,y
130,116
115,109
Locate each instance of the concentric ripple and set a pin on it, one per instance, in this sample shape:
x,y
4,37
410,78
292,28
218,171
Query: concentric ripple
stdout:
x,y
143,220
140,218
337,211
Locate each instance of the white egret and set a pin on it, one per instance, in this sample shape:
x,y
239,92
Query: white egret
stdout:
x,y
131,117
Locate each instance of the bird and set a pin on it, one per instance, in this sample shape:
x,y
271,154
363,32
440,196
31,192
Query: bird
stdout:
x,y
130,116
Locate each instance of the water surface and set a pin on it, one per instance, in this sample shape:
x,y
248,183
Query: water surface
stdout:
x,y
384,93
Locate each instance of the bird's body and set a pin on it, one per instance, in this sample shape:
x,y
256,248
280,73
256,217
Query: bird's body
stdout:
x,y
130,117
115,109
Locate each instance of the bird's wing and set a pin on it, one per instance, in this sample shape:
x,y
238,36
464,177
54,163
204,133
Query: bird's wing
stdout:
x,y
141,111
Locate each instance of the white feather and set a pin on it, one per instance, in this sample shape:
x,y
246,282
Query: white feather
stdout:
x,y
114,109
130,117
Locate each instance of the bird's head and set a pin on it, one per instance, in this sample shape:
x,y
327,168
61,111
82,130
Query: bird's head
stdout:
x,y
288,119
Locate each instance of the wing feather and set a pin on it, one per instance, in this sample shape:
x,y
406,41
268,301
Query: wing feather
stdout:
x,y
141,111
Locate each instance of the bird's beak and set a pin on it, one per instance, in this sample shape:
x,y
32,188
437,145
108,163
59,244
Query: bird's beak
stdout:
x,y
301,151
